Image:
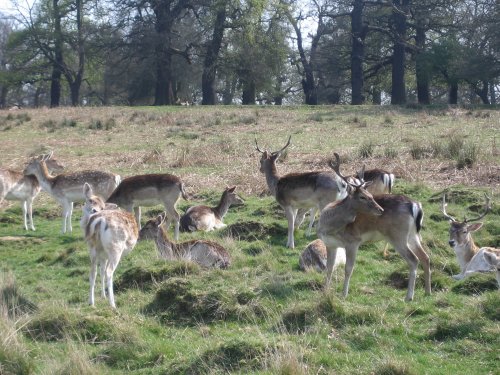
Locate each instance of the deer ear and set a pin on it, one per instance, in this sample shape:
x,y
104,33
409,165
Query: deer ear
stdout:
x,y
160,219
87,190
231,189
474,227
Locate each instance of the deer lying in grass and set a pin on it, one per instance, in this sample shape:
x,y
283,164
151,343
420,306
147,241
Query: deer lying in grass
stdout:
x,y
67,188
110,234
314,257
299,190
150,190
15,186
361,218
207,254
470,257
206,218
493,258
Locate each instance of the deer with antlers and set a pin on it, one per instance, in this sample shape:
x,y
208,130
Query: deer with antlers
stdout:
x,y
470,257
67,188
206,218
361,217
15,186
207,254
296,191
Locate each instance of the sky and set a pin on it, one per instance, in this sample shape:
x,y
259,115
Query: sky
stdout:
x,y
5,6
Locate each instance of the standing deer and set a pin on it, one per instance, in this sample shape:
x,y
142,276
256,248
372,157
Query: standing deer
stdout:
x,y
209,218
15,186
299,190
67,188
150,190
361,218
470,257
110,234
207,254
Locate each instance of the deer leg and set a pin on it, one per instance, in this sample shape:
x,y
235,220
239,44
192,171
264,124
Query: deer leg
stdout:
x,y
29,207
24,206
350,255
299,218
412,260
66,210
102,272
137,213
312,213
290,215
110,269
93,272
423,257
331,256
173,215
69,217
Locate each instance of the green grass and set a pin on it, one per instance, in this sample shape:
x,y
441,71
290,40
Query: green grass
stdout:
x,y
262,315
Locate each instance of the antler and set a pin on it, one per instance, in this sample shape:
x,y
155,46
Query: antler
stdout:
x,y
336,166
487,208
443,209
257,147
287,144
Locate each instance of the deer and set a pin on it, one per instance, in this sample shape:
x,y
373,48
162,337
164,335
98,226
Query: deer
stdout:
x,y
314,257
206,218
110,233
207,254
15,186
296,191
150,190
67,188
493,258
361,217
471,257
381,183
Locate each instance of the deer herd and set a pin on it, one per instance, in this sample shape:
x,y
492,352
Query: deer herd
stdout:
x,y
353,210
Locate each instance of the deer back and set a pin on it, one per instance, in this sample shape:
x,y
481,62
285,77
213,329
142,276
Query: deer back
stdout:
x,y
149,189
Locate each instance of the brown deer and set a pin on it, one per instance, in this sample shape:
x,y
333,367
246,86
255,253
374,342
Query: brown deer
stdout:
x,y
149,190
110,234
67,188
493,258
15,186
314,257
299,190
470,257
361,218
207,254
206,218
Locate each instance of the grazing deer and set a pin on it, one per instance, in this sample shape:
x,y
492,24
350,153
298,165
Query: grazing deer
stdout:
x,y
15,186
493,258
314,257
209,218
150,190
299,190
470,257
361,218
110,234
67,188
205,253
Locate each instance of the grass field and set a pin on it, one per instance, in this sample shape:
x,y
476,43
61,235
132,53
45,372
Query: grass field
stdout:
x,y
262,315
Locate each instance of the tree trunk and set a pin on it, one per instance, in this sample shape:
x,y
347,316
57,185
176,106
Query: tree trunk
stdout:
x,y
453,93
493,98
357,53
248,95
163,88
3,96
210,63
482,92
55,80
421,68
398,89
376,96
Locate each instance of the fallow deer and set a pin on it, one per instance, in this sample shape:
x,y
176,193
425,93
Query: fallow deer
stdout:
x,y
150,190
206,218
314,257
361,218
15,186
67,188
110,234
470,257
493,258
299,190
207,254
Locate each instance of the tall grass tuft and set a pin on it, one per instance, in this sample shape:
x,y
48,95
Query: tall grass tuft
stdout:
x,y
366,149
467,156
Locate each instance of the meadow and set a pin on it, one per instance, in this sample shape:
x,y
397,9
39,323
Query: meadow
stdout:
x,y
262,315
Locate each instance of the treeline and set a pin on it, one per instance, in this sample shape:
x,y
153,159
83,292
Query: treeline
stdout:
x,y
163,52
